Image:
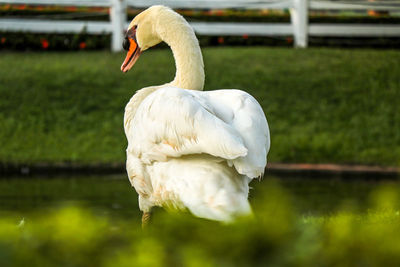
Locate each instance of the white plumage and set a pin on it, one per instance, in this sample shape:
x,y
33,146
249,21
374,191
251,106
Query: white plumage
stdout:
x,y
189,148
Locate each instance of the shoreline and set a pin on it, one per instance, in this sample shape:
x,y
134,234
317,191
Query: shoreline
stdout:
x,y
278,169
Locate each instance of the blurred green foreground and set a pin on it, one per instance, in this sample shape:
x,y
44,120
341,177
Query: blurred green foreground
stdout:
x,y
282,233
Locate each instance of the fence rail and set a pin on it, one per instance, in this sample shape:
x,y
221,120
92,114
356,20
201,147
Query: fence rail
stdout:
x,y
356,5
216,4
51,26
354,30
299,26
387,5
97,3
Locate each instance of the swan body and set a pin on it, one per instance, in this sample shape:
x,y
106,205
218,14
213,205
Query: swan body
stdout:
x,y
189,148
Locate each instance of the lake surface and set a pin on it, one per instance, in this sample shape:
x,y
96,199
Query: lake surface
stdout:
x,y
113,195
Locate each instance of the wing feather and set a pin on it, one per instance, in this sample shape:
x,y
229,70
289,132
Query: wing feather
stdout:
x,y
171,122
242,111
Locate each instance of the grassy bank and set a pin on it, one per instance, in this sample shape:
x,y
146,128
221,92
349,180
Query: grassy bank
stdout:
x,y
323,105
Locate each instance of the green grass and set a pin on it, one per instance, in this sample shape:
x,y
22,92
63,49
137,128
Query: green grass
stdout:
x,y
323,105
277,236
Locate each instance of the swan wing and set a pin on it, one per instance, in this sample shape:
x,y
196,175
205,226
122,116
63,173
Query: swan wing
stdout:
x,y
172,122
242,112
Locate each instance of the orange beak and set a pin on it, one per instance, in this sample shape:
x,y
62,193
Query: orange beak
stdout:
x,y
132,55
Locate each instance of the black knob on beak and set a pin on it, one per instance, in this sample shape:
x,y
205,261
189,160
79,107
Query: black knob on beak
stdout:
x,y
126,44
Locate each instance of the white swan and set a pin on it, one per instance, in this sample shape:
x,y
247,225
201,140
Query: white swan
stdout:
x,y
188,148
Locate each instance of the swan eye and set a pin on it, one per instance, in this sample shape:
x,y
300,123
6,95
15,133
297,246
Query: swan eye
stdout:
x,y
126,44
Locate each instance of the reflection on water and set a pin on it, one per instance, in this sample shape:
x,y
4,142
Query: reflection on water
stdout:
x,y
108,195
113,195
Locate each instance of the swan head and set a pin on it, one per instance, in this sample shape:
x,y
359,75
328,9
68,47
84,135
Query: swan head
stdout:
x,y
142,33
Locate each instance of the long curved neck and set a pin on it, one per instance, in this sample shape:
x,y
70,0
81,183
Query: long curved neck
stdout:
x,y
187,54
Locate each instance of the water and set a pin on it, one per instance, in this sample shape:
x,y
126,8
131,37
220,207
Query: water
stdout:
x,y
113,195
105,195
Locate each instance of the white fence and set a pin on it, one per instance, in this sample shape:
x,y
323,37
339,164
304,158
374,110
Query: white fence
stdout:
x,y
299,26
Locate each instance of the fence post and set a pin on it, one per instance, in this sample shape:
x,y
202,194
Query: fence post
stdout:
x,y
118,19
299,18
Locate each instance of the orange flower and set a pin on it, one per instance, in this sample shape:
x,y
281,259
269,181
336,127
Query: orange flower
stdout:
x,y
82,45
289,40
21,7
221,40
3,40
219,12
45,43
71,8
245,36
